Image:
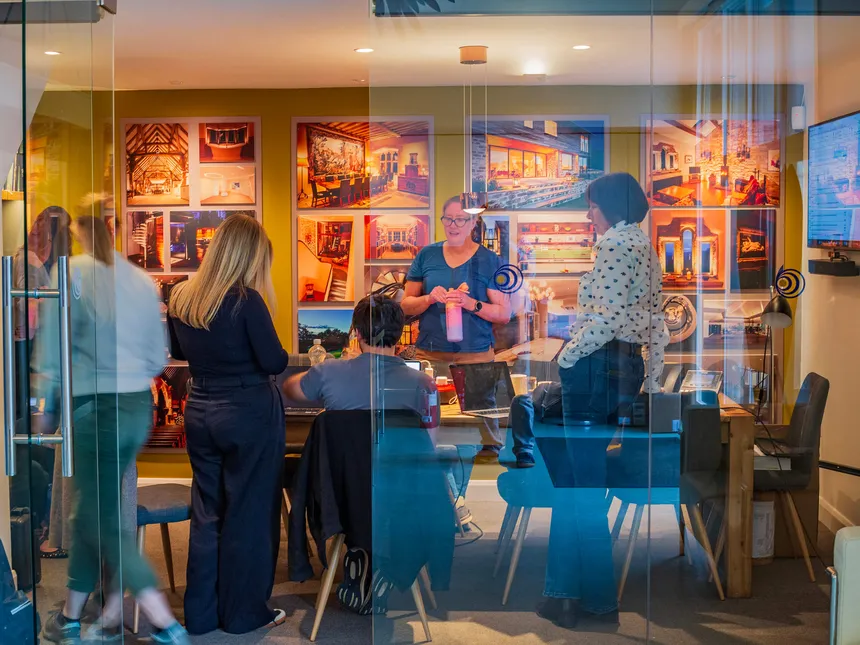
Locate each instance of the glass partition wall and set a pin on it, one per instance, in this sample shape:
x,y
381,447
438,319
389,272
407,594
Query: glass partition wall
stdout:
x,y
595,222
57,162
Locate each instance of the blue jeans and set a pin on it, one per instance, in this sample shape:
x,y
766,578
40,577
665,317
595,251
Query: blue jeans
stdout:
x,y
580,548
522,420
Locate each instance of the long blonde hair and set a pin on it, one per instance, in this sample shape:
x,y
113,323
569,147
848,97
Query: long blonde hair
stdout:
x,y
95,238
240,255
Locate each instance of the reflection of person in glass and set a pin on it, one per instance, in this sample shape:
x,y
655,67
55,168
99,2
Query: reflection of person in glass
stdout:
x,y
618,317
118,348
434,281
47,240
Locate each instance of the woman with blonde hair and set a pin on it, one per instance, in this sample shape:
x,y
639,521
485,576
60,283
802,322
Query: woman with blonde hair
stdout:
x,y
234,420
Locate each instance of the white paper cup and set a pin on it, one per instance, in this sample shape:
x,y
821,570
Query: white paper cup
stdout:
x,y
521,383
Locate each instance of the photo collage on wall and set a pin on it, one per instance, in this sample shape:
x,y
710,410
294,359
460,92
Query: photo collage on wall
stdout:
x,y
535,170
183,178
363,208
714,187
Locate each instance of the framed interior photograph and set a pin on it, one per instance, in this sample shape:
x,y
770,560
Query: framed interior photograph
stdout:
x,y
157,164
231,142
331,326
191,232
395,236
711,162
555,243
228,185
550,310
732,324
689,244
682,316
325,258
538,162
753,249
377,277
494,233
351,162
145,239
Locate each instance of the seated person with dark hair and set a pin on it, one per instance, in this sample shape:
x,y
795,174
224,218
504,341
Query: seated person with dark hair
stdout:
x,y
375,379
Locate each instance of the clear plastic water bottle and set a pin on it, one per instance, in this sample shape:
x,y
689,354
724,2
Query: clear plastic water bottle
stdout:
x,y
317,353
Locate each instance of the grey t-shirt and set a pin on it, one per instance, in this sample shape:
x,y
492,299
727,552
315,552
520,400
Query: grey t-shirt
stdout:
x,y
367,382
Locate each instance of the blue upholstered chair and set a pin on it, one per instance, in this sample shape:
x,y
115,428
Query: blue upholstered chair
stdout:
x,y
161,504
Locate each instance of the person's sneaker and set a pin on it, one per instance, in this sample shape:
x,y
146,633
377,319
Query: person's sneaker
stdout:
x,y
464,515
377,599
98,633
60,629
173,635
525,460
353,591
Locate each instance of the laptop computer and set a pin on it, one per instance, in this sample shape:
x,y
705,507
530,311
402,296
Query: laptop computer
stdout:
x,y
296,408
483,389
702,380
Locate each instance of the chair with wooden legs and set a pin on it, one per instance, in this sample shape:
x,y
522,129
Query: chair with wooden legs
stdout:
x,y
702,475
639,499
161,504
328,581
523,490
798,441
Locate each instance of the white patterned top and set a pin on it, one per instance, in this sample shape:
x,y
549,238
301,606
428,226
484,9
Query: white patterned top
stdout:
x,y
621,298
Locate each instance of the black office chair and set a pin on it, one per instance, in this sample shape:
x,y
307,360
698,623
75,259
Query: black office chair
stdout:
x,y
799,441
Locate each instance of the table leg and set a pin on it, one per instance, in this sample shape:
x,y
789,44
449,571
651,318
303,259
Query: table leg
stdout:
x,y
739,508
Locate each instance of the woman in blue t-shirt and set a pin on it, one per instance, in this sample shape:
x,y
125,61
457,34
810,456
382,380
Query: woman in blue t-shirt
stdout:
x,y
434,280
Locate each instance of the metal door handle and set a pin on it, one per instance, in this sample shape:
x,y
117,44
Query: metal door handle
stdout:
x,y
66,421
65,438
8,366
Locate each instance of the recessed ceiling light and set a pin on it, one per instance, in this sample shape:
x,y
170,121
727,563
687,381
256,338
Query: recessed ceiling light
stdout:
x,y
359,80
581,47
177,82
52,53
364,50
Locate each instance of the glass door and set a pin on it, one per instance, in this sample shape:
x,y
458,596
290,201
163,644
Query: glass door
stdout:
x,y
56,166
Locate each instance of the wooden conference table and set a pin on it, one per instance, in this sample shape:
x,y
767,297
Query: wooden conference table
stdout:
x,y
738,430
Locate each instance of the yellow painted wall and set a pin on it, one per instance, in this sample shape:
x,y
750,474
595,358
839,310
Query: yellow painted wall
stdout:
x,y
623,105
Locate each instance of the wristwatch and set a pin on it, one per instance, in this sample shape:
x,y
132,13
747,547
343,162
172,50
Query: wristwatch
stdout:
x,y
478,306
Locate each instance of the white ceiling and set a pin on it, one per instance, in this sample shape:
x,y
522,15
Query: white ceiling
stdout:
x,y
217,44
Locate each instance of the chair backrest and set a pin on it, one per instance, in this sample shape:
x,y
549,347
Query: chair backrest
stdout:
x,y
701,440
314,188
805,426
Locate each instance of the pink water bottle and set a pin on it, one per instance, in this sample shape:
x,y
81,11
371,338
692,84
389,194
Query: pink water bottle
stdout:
x,y
454,322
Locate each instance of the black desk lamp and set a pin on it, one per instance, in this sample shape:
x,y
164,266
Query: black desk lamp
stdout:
x,y
777,314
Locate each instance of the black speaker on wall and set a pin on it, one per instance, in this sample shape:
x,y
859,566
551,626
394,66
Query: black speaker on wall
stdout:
x,y
839,268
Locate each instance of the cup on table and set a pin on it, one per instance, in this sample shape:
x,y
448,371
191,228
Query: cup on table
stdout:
x,y
521,383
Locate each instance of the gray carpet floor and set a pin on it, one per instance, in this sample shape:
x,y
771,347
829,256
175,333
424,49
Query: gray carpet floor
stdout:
x,y
666,600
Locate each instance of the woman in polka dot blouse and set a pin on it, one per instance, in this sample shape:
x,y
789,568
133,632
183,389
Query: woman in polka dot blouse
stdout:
x,y
619,324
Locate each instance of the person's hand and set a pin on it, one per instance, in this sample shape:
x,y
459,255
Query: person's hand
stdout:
x,y
439,294
461,299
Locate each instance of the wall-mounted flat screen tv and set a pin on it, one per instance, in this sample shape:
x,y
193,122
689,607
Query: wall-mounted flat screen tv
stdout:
x,y
834,183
